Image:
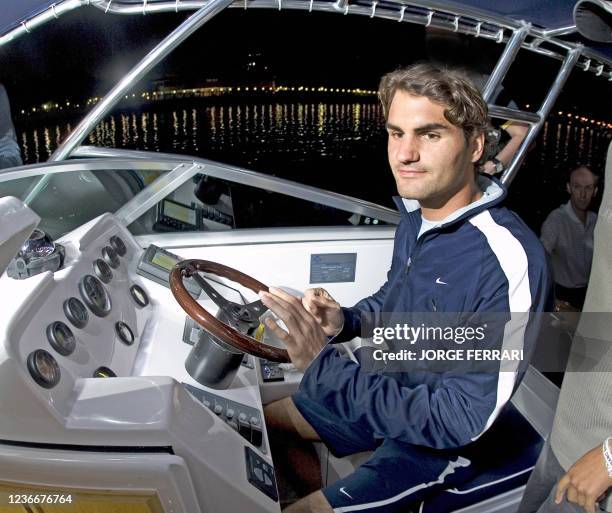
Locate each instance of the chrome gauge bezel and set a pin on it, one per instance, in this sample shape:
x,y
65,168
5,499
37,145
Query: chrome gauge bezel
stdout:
x,y
61,338
96,309
125,333
103,372
139,295
118,245
109,255
38,357
103,270
71,305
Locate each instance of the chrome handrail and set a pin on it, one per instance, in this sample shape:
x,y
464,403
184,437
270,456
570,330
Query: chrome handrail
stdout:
x,y
504,62
547,104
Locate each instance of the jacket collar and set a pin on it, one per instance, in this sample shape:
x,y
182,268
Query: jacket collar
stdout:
x,y
493,193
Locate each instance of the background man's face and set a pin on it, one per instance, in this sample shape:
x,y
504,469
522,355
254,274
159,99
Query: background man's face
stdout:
x,y
430,158
581,188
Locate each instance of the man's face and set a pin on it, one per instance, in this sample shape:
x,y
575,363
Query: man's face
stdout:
x,y
581,188
430,158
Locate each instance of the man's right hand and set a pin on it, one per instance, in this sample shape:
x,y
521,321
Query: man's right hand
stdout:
x,y
325,309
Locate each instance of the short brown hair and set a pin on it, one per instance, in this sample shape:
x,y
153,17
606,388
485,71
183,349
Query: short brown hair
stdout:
x,y
451,88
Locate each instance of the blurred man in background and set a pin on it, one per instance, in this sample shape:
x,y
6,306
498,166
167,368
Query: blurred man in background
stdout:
x,y
567,236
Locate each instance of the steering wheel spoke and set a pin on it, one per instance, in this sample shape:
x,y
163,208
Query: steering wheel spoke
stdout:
x,y
240,319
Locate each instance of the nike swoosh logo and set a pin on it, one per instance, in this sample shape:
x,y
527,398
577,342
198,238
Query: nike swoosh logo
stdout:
x,y
342,490
440,282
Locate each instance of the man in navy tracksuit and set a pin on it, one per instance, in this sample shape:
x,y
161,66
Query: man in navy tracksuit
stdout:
x,y
456,250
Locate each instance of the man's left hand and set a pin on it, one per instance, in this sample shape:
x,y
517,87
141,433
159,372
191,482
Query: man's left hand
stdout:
x,y
586,481
305,338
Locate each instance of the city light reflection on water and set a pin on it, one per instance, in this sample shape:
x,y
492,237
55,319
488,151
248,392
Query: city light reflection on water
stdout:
x,y
337,146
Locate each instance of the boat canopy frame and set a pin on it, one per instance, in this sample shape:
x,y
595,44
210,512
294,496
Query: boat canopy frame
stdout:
x,y
453,16
457,17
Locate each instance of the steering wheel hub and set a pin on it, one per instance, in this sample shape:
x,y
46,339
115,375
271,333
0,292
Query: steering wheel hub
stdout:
x,y
244,316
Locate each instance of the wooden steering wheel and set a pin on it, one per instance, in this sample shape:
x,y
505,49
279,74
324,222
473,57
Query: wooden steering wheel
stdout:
x,y
242,316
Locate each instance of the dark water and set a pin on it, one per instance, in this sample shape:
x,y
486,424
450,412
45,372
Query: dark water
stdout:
x,y
336,146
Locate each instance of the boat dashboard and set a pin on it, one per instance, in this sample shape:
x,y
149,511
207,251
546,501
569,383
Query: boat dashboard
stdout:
x,y
95,360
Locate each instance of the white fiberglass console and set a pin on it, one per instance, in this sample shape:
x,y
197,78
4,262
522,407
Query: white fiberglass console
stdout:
x,y
95,398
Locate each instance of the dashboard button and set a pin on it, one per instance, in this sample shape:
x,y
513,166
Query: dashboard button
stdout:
x,y
256,436
244,428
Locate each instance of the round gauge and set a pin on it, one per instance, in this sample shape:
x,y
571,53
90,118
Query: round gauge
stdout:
x,y
95,296
139,295
124,333
43,368
61,338
103,270
110,257
104,372
118,245
76,312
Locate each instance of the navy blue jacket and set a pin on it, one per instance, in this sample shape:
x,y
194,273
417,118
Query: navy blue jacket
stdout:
x,y
482,259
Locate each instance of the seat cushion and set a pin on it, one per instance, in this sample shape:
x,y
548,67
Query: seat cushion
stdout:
x,y
501,466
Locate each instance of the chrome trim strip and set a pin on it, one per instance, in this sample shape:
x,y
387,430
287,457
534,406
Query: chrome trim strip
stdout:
x,y
561,31
100,152
108,165
155,192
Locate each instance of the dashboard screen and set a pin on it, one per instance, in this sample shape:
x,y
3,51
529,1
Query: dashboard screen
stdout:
x,y
180,213
163,260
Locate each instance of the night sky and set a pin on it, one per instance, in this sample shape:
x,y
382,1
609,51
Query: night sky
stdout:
x,y
68,59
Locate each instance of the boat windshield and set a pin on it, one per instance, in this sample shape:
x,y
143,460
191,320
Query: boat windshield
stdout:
x,y
172,196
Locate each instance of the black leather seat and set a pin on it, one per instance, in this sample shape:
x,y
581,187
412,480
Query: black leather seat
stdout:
x,y
501,467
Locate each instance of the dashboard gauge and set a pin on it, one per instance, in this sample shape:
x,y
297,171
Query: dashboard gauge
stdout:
x,y
104,372
61,338
110,257
95,296
118,245
125,334
139,295
103,270
76,312
43,368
